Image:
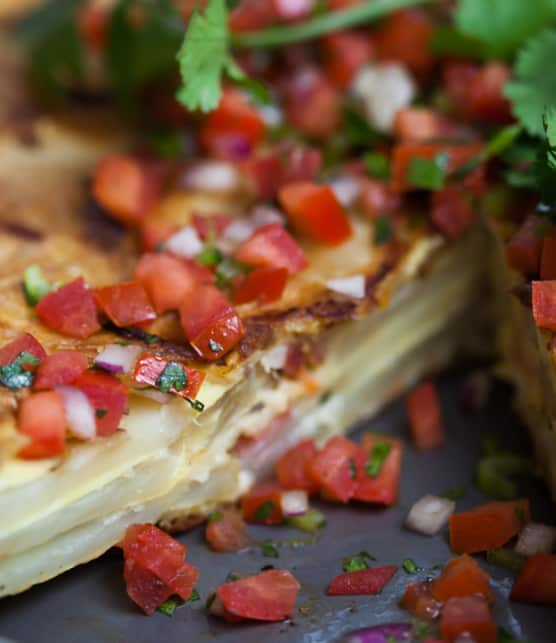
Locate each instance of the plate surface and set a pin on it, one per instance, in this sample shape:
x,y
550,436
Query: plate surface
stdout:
x,y
89,604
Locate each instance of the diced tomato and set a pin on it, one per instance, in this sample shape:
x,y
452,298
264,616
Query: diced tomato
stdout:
x,y
384,488
315,212
210,322
263,504
153,234
211,225
536,582
92,23
451,211
544,304
226,532
422,125
488,526
467,615
233,129
312,103
41,418
24,343
263,285
126,188
418,600
361,582
149,368
268,596
70,310
404,153
272,247
524,249
377,198
292,468
462,577
153,560
168,279
252,15
425,417
287,163
61,368
345,52
405,36
334,469
548,257
476,92
125,304
107,395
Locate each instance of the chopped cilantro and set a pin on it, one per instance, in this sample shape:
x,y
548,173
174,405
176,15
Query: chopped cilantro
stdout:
x,y
194,597
357,129
428,174
456,493
422,629
410,567
232,576
215,347
226,270
170,606
263,511
383,230
377,457
100,413
173,377
148,338
507,558
15,375
209,257
352,469
357,562
494,471
310,521
214,516
377,165
269,550
35,284
452,42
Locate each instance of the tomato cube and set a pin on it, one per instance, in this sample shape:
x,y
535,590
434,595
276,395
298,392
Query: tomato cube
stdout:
x,y
523,250
462,577
292,469
108,397
24,343
70,310
125,304
272,247
382,488
418,600
544,304
467,615
451,211
368,581
263,285
61,368
333,469
225,531
263,504
425,417
41,419
345,52
536,581
149,368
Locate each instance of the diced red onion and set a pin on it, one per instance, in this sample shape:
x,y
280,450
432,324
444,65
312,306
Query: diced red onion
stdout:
x,y
294,503
80,414
264,215
536,537
157,396
185,243
217,176
346,188
118,359
275,358
429,514
353,286
293,9
380,634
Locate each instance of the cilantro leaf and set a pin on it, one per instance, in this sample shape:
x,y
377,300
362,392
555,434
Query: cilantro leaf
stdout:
x,y
205,56
377,457
264,511
428,174
503,25
173,377
534,88
410,567
268,549
383,230
357,562
15,375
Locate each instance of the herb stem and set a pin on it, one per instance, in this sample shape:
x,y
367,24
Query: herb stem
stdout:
x,y
324,23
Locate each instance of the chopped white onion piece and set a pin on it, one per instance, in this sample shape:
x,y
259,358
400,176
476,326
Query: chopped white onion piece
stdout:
x,y
383,90
80,414
185,243
271,115
353,286
275,358
211,176
294,503
429,514
118,359
536,537
235,234
265,215
157,396
292,9
346,188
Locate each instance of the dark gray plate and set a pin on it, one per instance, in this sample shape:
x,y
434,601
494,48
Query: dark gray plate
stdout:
x,y
89,604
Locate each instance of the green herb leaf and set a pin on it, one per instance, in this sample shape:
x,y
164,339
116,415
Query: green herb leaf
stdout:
x,y
170,606
35,284
449,41
377,457
456,493
428,174
493,474
410,567
377,165
100,413
214,516
507,558
173,377
503,25
383,230
263,511
269,550
227,270
205,57
357,129
534,87
310,521
209,257
357,562
14,375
